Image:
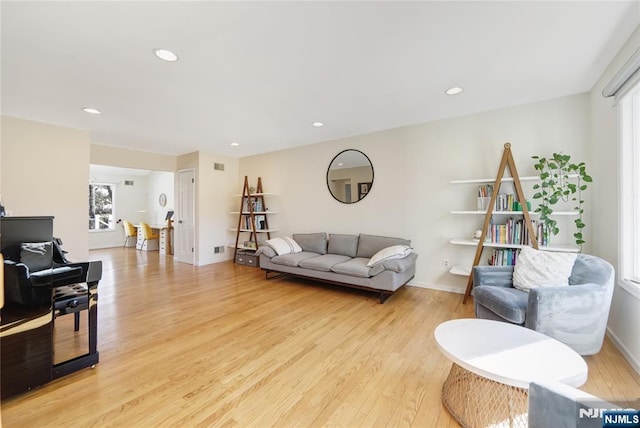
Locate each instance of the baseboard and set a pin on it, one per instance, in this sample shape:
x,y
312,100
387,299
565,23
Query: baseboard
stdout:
x,y
103,247
439,287
624,350
212,261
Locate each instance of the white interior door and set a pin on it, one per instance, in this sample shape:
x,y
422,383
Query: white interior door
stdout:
x,y
184,224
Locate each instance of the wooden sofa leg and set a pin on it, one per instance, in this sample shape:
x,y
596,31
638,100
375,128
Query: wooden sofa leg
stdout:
x,y
384,296
277,275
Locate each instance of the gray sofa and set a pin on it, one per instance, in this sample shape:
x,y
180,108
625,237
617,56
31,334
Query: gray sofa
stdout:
x,y
342,259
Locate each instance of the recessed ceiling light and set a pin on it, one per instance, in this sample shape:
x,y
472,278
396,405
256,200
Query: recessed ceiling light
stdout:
x,y
454,90
166,55
91,110
318,124
234,144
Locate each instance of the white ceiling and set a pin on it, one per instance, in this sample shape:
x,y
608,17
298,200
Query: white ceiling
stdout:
x,y
259,73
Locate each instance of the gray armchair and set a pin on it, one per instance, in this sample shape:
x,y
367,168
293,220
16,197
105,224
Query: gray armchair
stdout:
x,y
575,315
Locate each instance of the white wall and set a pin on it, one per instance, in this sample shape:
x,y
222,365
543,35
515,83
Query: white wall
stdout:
x,y
215,192
624,319
412,196
126,158
159,182
45,171
214,201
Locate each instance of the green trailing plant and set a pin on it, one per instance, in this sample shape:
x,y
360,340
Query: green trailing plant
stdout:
x,y
560,180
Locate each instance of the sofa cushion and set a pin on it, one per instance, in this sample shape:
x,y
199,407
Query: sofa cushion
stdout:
x,y
293,259
284,245
390,253
312,242
368,245
37,255
535,268
508,303
324,262
357,267
346,245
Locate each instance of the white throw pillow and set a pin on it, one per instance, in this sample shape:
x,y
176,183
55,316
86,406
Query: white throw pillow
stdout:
x,y
535,268
284,245
390,253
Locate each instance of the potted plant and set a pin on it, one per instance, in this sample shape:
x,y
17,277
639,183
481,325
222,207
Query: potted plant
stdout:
x,y
560,180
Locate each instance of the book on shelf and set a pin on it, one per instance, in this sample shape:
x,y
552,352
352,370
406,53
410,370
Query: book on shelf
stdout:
x,y
514,231
485,190
256,204
504,257
503,202
260,221
250,245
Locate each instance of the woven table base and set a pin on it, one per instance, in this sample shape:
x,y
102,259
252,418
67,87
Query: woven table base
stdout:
x,y
475,401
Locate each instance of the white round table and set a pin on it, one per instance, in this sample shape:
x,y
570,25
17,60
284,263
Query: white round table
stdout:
x,y
493,364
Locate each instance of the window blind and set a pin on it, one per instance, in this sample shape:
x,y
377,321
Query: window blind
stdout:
x,y
625,79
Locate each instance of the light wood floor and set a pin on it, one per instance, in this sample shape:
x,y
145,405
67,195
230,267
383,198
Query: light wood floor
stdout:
x,y
220,346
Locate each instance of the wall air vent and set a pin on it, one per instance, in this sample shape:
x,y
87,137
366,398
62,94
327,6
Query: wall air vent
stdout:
x,y
218,166
128,182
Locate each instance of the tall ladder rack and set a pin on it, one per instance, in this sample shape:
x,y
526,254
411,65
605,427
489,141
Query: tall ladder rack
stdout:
x,y
507,160
247,209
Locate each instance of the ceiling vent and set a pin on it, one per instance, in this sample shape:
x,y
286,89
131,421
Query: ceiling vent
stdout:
x,y
128,182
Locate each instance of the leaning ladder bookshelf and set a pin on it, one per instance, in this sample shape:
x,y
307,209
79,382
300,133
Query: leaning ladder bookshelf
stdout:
x,y
507,160
251,205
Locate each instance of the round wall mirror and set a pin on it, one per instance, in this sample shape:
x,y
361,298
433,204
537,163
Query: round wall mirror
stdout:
x,y
350,176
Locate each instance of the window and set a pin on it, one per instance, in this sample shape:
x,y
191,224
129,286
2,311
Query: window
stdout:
x,y
629,108
101,198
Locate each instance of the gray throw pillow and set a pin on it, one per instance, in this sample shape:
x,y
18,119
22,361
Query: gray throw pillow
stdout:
x,y
36,255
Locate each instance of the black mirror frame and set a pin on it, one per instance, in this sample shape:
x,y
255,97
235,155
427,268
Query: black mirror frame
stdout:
x,y
358,184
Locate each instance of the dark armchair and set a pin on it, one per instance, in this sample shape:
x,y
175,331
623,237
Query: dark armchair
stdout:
x,y
575,315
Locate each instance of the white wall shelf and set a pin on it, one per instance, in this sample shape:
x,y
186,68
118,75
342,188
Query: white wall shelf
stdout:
x,y
254,194
460,270
475,212
257,230
503,180
255,212
474,243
